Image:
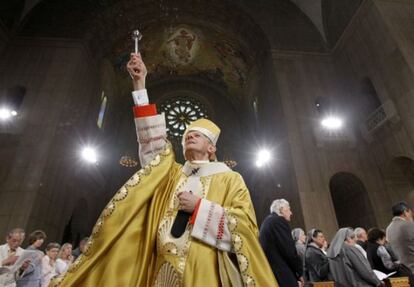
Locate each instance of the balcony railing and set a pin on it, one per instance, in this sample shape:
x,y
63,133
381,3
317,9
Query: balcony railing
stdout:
x,y
385,113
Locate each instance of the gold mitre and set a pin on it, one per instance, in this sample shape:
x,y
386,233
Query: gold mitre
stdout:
x,y
206,127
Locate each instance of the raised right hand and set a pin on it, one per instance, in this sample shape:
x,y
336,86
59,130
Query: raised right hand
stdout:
x,y
137,70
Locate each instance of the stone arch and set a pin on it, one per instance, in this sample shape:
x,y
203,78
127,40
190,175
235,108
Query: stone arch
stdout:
x,y
351,202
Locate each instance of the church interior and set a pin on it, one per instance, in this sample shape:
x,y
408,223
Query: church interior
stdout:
x,y
268,72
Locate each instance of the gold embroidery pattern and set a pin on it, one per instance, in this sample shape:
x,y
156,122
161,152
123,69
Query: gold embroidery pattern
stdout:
x,y
231,222
237,241
75,265
243,262
57,281
168,245
121,194
248,280
167,277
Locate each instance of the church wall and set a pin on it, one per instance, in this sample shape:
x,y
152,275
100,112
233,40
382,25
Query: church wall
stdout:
x,y
373,48
301,80
4,38
277,179
367,49
398,17
46,177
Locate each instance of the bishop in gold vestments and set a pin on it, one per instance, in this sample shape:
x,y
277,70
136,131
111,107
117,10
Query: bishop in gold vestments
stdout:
x,y
131,244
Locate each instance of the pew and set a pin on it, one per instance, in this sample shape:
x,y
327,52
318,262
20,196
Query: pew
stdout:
x,y
397,282
389,282
322,284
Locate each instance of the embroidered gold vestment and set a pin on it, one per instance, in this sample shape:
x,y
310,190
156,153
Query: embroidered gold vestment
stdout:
x,y
131,244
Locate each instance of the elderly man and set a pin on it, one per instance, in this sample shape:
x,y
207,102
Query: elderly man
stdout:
x,y
9,253
400,234
362,237
279,247
361,240
173,225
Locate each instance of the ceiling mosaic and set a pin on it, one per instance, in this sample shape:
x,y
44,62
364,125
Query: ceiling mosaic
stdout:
x,y
188,50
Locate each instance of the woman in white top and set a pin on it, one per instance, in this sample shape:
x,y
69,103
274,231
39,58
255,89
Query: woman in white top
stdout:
x,y
65,258
49,263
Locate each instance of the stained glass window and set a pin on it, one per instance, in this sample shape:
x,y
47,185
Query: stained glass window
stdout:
x,y
180,112
102,110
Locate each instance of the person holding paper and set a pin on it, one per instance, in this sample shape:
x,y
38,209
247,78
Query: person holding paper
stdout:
x,y
138,227
30,272
9,253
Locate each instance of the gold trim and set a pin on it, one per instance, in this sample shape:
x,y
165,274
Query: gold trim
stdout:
x,y
167,276
109,209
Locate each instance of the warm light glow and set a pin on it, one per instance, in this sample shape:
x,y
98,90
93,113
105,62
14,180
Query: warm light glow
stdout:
x,y
332,123
263,157
5,114
13,113
89,155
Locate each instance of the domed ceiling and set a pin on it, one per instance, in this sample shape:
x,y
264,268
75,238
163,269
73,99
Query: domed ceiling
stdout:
x,y
218,40
189,50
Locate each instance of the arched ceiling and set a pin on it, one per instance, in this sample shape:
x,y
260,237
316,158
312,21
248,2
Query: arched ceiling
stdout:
x,y
336,16
279,17
219,40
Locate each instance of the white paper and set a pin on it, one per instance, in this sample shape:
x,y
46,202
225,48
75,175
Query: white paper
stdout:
x,y
381,276
31,255
7,273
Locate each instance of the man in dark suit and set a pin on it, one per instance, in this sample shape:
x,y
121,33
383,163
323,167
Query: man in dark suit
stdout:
x,y
279,247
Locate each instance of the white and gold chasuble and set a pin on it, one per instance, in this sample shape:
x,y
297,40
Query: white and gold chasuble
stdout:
x,y
131,244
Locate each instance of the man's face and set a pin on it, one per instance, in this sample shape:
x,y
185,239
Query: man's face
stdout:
x,y
363,236
197,142
319,239
408,214
14,240
286,213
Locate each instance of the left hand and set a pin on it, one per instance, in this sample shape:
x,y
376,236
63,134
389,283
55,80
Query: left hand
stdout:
x,y
187,201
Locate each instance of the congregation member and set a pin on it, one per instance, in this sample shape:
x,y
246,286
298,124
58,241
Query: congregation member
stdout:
x,y
361,236
400,234
278,245
64,259
9,253
80,249
316,263
347,264
299,238
49,263
361,240
378,256
30,274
